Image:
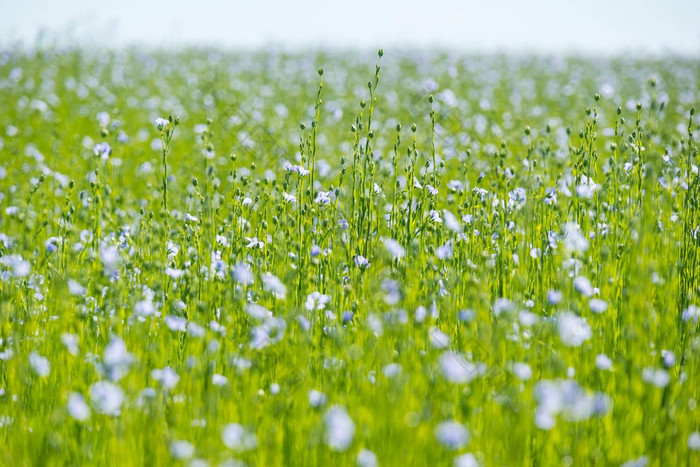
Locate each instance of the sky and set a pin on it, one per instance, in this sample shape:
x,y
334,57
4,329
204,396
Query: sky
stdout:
x,y
544,26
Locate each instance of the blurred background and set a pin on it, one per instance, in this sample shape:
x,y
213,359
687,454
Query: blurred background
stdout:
x,y
599,27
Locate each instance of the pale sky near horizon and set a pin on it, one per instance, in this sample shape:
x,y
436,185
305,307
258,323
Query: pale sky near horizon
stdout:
x,y
545,26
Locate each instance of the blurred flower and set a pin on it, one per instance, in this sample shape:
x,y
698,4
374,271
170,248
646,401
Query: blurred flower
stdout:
x,y
40,365
340,429
452,434
102,150
77,408
106,398
237,438
573,331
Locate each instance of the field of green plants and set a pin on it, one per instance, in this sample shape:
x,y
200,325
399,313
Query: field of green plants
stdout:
x,y
348,258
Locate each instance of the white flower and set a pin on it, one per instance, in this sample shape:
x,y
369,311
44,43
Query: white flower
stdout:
x,y
102,150
109,255
574,241
656,377
316,301
694,441
361,262
455,185
444,251
243,274
172,249
457,369
586,188
522,371
692,313
451,221
144,308
272,283
221,240
324,197
116,359
315,251
438,339
317,398
603,362
583,286
103,119
641,461
254,243
374,323
668,357
40,365
106,398
77,408
392,370
19,266
551,196
304,323
452,434
503,306
517,198
269,332
568,399
597,305
420,314
162,123
340,429
181,449
174,273
394,248
527,318
195,330
176,323
167,377
74,288
585,191
219,380
366,458
573,331
237,438
296,169
71,343
466,460
554,297
257,311
52,244
392,290
435,216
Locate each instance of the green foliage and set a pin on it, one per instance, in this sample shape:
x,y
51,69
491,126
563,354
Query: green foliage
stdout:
x,y
293,277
